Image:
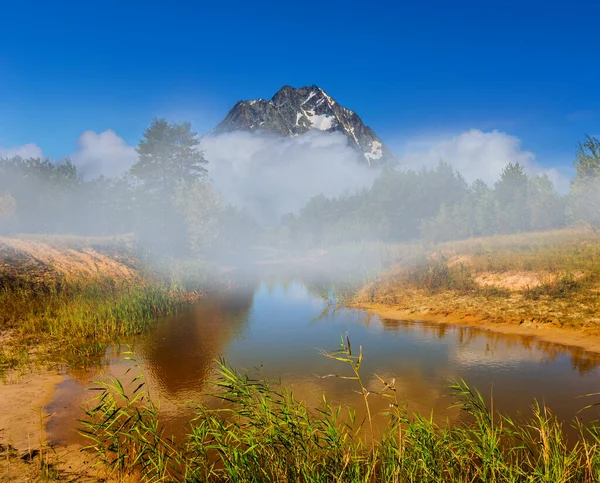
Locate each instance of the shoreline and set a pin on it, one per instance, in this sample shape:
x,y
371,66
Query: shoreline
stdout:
x,y
23,413
107,280
586,340
26,451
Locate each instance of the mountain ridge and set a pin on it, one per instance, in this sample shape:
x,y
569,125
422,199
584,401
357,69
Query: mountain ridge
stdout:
x,y
294,111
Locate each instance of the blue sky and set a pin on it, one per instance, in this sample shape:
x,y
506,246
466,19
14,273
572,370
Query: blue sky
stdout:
x,y
412,70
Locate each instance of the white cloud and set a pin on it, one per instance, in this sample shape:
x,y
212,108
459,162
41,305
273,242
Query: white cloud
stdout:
x,y
25,151
271,175
478,155
103,154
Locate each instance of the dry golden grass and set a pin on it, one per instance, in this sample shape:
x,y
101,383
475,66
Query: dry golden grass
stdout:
x,y
65,302
19,256
44,259
549,278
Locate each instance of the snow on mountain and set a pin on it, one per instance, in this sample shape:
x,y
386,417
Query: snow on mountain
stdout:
x,y
292,112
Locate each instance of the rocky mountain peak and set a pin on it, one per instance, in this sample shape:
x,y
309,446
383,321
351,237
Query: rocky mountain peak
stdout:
x,y
294,111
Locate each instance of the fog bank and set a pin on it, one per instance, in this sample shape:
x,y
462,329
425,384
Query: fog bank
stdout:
x,y
271,176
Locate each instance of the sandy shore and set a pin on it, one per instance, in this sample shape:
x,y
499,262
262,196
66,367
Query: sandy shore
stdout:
x,y
581,338
23,438
22,408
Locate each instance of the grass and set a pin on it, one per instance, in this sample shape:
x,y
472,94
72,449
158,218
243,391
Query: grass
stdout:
x,y
550,278
435,275
569,249
564,286
261,432
61,311
74,322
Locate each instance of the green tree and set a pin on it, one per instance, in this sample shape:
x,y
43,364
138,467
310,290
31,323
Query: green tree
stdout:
x,y
201,209
545,205
511,197
168,153
402,199
485,218
168,156
43,192
316,216
584,198
587,159
451,223
105,206
584,202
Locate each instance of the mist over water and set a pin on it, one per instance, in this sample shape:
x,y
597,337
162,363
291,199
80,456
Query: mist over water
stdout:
x,y
279,232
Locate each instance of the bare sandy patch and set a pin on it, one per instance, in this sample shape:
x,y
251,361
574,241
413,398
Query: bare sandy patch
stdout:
x,y
22,413
519,281
513,281
24,443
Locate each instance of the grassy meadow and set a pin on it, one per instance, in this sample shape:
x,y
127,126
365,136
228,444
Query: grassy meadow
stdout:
x,y
549,279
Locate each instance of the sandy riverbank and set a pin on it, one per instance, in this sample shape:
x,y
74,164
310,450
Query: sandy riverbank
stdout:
x,y
22,413
544,285
586,339
27,386
25,453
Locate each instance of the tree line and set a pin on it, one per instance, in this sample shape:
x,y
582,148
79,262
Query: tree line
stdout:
x,y
437,204
166,200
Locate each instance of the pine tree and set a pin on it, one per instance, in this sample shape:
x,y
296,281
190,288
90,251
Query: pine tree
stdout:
x,y
584,199
511,197
587,161
168,154
484,209
546,206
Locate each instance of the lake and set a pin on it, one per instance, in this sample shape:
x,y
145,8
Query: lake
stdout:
x,y
279,328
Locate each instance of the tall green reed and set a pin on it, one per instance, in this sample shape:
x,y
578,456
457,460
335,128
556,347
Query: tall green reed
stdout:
x,y
124,431
73,322
259,431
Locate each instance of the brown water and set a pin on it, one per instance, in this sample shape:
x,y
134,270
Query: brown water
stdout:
x,y
283,326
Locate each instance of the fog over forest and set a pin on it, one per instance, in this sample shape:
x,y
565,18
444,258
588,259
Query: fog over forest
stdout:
x,y
183,193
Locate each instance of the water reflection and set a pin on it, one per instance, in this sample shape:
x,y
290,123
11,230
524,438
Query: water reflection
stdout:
x,y
180,353
283,325
487,345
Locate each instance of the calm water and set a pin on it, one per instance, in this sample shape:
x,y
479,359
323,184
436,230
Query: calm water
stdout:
x,y
283,326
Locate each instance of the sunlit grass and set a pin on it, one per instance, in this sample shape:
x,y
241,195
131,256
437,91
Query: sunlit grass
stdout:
x,y
64,299
74,322
547,277
262,432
